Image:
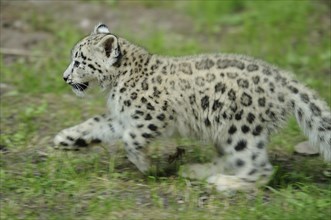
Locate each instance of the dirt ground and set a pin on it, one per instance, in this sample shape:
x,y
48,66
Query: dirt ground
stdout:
x,y
18,36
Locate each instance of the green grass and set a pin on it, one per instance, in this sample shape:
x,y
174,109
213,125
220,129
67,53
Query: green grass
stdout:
x,y
37,182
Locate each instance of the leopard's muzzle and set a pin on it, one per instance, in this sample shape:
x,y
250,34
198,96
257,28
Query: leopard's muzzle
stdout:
x,y
80,86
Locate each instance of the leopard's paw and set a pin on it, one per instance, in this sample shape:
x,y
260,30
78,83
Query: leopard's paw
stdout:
x,y
69,139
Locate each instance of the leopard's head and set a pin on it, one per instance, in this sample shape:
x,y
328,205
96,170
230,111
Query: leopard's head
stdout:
x,y
93,60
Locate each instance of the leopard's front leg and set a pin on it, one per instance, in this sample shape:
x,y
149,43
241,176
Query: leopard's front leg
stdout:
x,y
141,130
98,129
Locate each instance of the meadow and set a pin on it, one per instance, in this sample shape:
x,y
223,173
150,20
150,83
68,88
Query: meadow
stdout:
x,y
38,182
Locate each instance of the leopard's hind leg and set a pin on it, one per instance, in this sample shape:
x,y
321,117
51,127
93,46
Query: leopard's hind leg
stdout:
x,y
242,165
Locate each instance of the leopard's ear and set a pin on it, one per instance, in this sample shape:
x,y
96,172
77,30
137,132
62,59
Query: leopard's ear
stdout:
x,y
101,29
109,45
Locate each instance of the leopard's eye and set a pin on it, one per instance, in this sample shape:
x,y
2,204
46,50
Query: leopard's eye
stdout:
x,y
76,64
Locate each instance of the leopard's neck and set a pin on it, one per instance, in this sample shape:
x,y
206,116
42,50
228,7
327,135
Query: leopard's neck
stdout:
x,y
133,59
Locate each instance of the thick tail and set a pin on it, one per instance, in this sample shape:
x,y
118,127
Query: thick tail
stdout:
x,y
313,116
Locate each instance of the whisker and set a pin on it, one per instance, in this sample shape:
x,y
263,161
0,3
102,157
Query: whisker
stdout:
x,y
81,88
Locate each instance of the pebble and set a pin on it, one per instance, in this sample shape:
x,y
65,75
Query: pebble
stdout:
x,y
305,148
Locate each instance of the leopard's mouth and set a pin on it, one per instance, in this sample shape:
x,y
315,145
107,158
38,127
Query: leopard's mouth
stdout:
x,y
80,86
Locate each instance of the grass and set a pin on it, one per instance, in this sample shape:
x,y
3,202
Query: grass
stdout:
x,y
39,183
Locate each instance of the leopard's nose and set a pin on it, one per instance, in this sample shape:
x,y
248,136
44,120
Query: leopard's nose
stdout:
x,y
65,79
